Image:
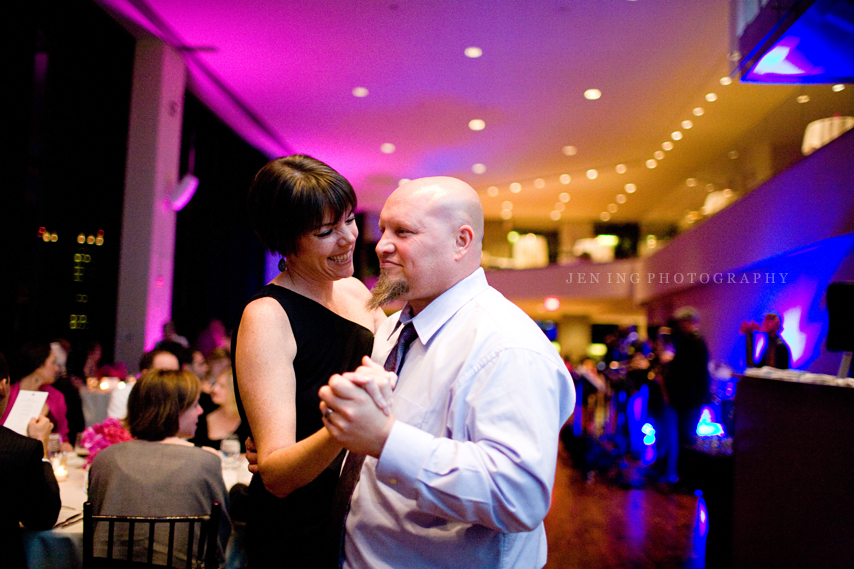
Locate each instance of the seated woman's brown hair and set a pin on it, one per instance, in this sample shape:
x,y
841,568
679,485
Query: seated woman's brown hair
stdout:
x,y
157,401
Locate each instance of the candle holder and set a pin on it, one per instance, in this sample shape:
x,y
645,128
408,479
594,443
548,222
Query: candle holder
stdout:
x,y
60,468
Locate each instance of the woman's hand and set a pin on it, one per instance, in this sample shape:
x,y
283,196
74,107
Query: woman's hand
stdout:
x,y
376,381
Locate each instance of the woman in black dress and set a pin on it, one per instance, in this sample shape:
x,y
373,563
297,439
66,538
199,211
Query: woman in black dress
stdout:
x,y
307,324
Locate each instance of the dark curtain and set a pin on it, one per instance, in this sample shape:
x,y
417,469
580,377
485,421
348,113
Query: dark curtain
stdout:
x,y
219,263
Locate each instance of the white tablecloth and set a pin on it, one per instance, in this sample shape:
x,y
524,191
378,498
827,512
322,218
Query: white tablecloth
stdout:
x,y
62,548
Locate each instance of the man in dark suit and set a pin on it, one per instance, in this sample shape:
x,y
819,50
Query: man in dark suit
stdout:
x,y
29,488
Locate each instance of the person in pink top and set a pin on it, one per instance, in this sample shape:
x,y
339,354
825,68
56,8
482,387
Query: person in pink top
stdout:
x,y
36,370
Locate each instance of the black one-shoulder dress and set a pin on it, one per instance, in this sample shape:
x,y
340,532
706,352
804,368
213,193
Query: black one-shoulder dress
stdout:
x,y
289,532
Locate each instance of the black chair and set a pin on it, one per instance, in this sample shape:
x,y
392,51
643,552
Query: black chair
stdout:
x,y
199,553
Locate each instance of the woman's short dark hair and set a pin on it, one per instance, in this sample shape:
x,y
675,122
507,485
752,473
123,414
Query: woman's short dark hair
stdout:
x,y
157,400
290,196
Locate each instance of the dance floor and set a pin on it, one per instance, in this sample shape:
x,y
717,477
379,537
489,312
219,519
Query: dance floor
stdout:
x,y
596,525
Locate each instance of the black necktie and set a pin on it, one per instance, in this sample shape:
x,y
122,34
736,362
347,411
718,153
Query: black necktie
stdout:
x,y
353,465
394,361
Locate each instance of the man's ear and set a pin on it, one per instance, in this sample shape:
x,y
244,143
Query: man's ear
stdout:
x,y
462,242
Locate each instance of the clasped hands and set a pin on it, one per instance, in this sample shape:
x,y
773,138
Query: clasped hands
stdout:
x,y
356,408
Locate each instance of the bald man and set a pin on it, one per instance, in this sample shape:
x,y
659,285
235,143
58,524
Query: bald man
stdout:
x,y
460,473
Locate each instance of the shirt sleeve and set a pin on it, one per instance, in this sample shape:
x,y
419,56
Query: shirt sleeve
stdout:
x,y
42,502
496,467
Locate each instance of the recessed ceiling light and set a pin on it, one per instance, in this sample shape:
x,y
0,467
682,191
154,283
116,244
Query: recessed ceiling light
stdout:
x,y
360,92
726,80
551,303
507,205
515,187
621,198
651,163
612,207
539,183
698,111
592,174
473,52
687,124
691,182
560,206
620,168
667,145
387,148
659,155
564,197
804,99
710,188
492,191
838,87
477,124
711,97
565,179
592,94
630,188
569,150
605,216
727,192
555,215
676,135
506,214
732,154
478,168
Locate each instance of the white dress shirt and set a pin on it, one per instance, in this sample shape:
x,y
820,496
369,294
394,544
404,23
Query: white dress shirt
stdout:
x,y
465,477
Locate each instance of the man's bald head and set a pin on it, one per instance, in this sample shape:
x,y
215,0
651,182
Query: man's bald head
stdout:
x,y
432,239
447,198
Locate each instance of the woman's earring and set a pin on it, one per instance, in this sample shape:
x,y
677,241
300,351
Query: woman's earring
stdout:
x,y
283,264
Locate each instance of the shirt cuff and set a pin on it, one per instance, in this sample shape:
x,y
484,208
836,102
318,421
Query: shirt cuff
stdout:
x,y
403,456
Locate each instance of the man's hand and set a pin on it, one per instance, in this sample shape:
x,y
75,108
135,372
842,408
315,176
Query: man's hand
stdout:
x,y
355,421
40,429
378,382
252,455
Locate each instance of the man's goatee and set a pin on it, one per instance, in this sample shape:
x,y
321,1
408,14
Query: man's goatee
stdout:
x,y
386,290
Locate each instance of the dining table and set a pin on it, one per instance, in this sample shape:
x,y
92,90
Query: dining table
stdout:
x,y
62,546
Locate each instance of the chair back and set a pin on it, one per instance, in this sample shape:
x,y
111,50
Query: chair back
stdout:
x,y
183,541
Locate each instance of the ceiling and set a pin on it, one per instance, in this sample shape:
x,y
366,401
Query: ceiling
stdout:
x,y
282,73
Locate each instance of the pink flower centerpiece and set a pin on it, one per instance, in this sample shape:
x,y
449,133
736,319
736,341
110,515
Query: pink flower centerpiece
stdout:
x,y
98,437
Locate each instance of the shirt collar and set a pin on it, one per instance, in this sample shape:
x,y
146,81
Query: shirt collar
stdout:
x,y
430,320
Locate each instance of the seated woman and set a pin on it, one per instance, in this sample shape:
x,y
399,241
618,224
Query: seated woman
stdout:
x,y
160,473
35,369
224,421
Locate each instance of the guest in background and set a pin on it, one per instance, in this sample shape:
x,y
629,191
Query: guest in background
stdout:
x,y
213,337
70,390
28,488
200,368
171,335
84,362
776,353
155,359
36,371
160,473
218,361
224,420
687,381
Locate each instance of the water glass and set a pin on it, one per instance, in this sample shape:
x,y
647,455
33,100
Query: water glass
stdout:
x,y
230,449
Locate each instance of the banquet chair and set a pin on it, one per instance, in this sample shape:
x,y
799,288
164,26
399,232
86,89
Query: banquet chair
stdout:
x,y
197,553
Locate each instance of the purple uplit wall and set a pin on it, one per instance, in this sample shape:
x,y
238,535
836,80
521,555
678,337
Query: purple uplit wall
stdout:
x,y
777,249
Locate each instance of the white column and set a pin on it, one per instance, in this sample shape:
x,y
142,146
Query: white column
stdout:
x,y
148,226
